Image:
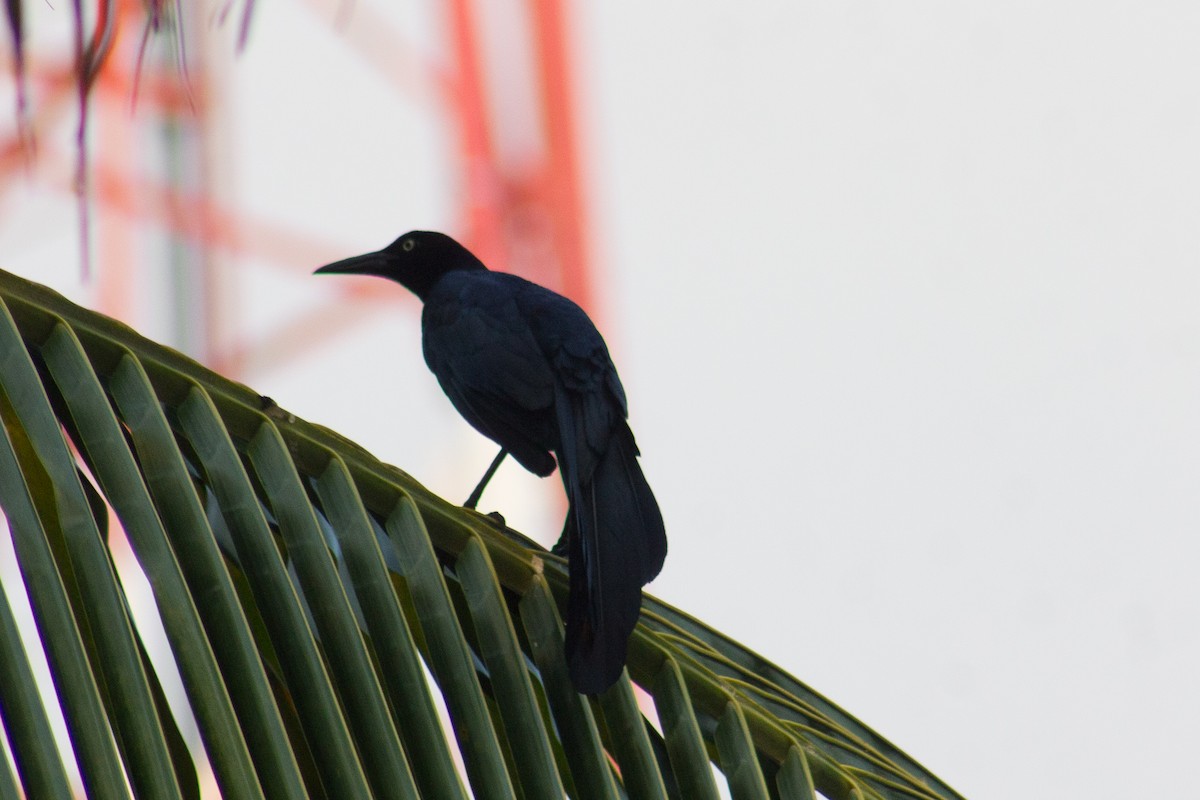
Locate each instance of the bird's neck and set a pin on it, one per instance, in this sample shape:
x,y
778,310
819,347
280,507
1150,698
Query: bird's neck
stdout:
x,y
422,283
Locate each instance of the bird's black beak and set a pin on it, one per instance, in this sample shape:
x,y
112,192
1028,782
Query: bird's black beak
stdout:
x,y
367,264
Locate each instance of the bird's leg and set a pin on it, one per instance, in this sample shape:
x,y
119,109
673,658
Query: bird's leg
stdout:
x,y
473,500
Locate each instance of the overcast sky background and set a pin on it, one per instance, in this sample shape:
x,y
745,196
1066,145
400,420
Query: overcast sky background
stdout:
x,y
904,297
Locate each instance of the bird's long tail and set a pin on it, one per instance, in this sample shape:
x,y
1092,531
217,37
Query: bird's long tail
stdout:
x,y
617,544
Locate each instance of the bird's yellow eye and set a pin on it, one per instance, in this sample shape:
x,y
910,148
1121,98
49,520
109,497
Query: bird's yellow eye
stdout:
x,y
408,244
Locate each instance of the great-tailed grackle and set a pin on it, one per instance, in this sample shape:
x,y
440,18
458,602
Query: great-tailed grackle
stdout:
x,y
529,370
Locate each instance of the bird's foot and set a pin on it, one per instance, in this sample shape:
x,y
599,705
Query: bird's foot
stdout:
x,y
494,516
561,546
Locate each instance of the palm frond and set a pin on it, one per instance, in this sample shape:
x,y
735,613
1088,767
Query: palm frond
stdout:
x,y
322,606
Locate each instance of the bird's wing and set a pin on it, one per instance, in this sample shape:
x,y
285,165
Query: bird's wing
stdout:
x,y
591,401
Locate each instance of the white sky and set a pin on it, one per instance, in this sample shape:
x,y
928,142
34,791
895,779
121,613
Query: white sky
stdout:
x,y
904,297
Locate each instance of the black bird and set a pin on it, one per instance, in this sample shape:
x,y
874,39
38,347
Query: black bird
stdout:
x,y
527,368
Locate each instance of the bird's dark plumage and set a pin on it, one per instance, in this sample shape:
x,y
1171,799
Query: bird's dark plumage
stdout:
x,y
529,370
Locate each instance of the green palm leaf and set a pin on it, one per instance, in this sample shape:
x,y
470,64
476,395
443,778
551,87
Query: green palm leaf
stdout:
x,y
310,667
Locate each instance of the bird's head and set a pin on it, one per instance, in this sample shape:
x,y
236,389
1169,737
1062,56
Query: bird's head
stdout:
x,y
415,260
